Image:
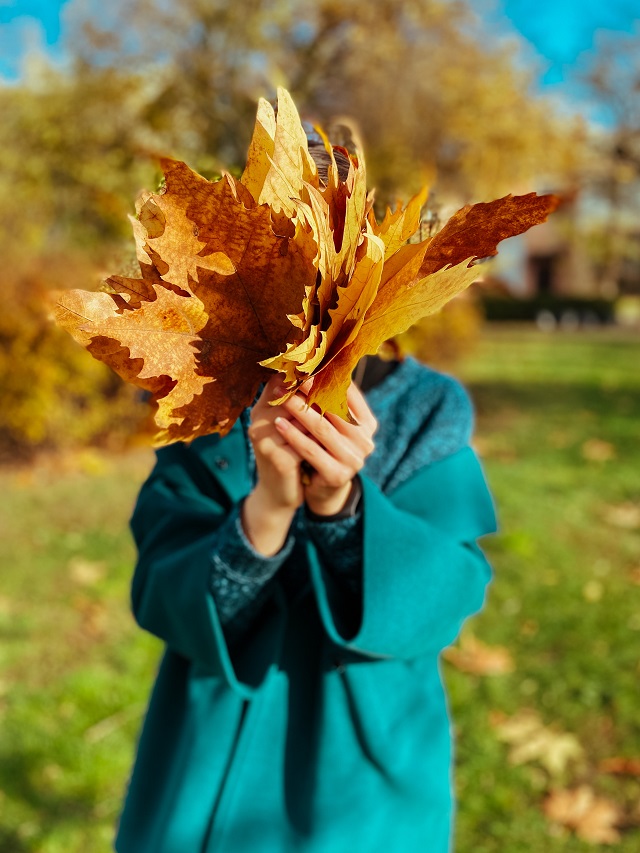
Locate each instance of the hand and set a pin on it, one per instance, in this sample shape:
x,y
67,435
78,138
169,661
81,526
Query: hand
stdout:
x,y
268,511
335,449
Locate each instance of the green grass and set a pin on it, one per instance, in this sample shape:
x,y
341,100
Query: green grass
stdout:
x,y
563,600
75,668
76,672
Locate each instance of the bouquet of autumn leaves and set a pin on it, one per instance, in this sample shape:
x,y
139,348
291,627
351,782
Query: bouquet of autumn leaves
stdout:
x,y
275,271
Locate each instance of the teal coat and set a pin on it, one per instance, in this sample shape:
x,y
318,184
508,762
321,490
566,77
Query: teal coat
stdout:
x,y
302,737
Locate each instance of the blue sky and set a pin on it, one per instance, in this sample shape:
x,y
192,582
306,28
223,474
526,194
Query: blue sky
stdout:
x,y
25,24
561,30
558,30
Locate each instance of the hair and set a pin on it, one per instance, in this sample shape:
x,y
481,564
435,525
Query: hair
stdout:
x,y
322,159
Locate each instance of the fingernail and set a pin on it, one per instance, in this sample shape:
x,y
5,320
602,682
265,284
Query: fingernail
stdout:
x,y
282,423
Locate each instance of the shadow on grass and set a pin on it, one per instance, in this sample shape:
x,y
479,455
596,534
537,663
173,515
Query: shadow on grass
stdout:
x,y
10,842
50,806
556,398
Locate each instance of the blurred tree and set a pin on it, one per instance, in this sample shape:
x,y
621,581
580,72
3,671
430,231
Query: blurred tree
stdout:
x,y
69,169
424,79
612,76
70,160
52,395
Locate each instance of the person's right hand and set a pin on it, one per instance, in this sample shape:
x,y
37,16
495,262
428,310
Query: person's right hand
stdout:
x,y
269,510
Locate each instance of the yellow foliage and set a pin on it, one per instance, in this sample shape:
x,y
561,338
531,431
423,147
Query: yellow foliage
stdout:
x,y
441,338
51,394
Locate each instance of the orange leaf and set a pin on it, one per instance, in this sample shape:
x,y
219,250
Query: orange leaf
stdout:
x,y
398,226
474,656
620,765
277,271
417,281
592,818
198,349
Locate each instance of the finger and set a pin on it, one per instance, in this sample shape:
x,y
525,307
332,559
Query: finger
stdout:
x,y
330,470
264,437
358,434
276,452
341,446
360,408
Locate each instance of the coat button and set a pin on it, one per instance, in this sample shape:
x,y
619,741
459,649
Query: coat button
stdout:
x,y
221,463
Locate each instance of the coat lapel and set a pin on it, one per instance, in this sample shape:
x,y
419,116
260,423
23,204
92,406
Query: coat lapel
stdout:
x,y
226,459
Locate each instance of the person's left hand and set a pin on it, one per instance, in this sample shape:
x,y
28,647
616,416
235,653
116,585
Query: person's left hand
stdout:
x,y
335,449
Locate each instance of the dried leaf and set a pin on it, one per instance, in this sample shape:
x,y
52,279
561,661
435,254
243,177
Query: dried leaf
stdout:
x,y
592,818
625,515
531,741
153,345
237,281
596,450
397,227
86,572
480,227
474,656
279,162
620,766
276,271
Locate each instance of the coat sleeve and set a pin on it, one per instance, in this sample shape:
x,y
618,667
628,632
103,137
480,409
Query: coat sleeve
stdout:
x,y
423,573
184,533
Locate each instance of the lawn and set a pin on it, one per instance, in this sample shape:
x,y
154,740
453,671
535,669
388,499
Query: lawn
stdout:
x,y
558,431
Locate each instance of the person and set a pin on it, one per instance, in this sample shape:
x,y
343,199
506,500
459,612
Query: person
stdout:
x,y
299,704
304,574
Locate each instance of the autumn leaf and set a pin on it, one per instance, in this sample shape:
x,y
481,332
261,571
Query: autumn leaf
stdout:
x,y
278,163
624,515
420,278
215,302
153,345
86,572
473,656
480,227
620,765
596,450
592,818
398,226
276,271
531,741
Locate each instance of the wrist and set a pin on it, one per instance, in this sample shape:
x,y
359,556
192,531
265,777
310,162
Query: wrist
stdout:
x,y
265,525
338,506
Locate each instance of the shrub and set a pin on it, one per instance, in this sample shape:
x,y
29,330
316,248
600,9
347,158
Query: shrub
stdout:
x,y
53,394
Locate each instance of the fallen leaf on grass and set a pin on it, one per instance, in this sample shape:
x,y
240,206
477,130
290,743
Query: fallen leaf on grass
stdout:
x,y
625,515
593,591
474,656
94,616
596,450
592,818
634,575
620,766
85,572
530,740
